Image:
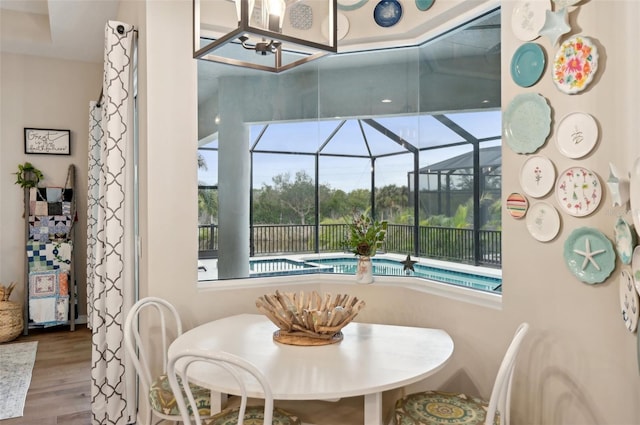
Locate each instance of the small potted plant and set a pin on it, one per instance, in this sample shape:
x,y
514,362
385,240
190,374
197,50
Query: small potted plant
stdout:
x,y
28,176
366,236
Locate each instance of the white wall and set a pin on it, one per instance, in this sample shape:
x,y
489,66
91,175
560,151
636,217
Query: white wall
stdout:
x,y
42,93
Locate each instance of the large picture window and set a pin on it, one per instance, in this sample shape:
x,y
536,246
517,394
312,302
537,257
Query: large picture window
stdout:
x,y
416,143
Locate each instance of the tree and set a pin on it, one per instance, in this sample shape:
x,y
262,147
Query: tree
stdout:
x,y
298,196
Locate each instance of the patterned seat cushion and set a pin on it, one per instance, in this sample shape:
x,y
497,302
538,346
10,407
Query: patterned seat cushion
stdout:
x,y
436,407
162,399
254,415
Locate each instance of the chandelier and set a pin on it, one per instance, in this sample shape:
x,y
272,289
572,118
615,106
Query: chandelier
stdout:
x,y
268,35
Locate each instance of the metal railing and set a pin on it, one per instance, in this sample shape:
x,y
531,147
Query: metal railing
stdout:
x,y
441,243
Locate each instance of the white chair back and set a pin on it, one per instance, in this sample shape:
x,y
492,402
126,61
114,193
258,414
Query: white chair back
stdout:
x,y
178,368
501,394
139,353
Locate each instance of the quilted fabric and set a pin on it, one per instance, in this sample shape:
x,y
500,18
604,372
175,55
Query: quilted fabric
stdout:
x,y
436,408
254,415
162,399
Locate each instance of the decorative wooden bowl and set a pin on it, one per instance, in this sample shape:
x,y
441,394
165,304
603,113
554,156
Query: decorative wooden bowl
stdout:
x,y
309,319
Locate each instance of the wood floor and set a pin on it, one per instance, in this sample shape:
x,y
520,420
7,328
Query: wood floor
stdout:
x,y
60,392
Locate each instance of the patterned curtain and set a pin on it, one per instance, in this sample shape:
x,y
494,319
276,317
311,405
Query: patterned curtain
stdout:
x,y
110,244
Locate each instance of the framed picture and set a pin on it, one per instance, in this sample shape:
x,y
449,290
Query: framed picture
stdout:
x,y
47,141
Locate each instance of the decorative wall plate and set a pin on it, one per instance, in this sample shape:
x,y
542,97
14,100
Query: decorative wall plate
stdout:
x,y
629,301
625,239
342,24
577,134
517,205
589,255
387,13
537,176
635,268
634,198
575,64
528,18
556,24
351,4
424,4
301,16
578,191
618,185
543,221
527,122
527,64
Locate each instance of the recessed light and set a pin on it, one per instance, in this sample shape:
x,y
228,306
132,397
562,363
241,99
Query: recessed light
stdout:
x,y
386,101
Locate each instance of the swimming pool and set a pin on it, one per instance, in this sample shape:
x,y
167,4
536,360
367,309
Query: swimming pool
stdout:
x,y
268,267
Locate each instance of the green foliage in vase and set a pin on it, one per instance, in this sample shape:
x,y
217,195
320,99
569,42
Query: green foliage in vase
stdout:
x,y
366,235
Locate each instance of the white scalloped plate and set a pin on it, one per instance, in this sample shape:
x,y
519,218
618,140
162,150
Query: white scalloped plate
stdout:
x,y
575,64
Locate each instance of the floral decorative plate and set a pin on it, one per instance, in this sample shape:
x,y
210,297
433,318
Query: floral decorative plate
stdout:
x,y
575,64
527,122
589,255
517,205
629,302
537,176
577,134
578,191
543,221
528,17
527,64
625,239
387,13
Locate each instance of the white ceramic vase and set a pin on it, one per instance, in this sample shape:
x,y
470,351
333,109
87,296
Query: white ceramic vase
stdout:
x,y
364,270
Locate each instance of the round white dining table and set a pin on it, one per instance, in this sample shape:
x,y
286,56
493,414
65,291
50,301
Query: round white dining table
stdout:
x,y
370,359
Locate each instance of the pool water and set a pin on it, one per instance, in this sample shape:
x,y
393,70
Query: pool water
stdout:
x,y
381,266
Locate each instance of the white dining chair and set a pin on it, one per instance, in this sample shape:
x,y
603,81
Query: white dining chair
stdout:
x,y
238,369
439,408
157,393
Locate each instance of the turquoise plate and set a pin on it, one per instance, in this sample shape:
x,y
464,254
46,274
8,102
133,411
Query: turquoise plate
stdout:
x,y
424,4
589,255
527,122
351,4
527,64
625,239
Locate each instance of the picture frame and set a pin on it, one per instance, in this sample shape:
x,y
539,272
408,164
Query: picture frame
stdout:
x,y
47,141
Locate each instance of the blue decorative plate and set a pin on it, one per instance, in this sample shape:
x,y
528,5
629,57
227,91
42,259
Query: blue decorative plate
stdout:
x,y
527,64
589,255
387,13
424,4
625,239
527,122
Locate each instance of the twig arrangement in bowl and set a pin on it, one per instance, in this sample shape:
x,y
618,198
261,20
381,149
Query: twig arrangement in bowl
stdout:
x,y
309,319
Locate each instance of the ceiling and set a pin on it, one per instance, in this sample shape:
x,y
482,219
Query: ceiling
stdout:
x,y
74,29
65,29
